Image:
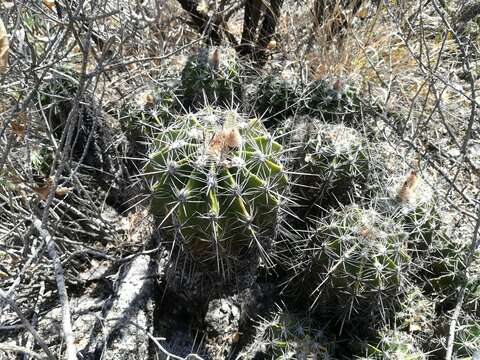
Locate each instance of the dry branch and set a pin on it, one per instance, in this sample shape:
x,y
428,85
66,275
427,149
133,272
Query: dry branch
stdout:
x,y
251,19
203,23
62,289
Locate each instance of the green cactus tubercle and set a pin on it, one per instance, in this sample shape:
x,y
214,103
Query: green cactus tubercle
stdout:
x,y
217,182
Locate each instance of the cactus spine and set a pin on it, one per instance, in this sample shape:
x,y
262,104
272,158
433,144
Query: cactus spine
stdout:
x,y
284,335
394,345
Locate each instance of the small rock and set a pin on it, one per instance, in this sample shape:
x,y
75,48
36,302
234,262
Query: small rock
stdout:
x,y
222,322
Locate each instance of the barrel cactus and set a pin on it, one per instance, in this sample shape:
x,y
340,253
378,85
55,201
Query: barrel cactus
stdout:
x,y
276,98
211,78
279,96
332,101
412,202
354,264
149,110
330,164
444,271
217,183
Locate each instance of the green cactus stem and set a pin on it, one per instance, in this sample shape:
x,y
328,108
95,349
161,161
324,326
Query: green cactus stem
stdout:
x,y
217,184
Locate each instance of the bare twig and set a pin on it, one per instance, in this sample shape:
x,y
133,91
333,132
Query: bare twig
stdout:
x,y
62,289
203,22
29,342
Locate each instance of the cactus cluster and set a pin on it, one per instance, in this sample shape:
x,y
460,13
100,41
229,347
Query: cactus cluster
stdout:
x,y
217,183
369,247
